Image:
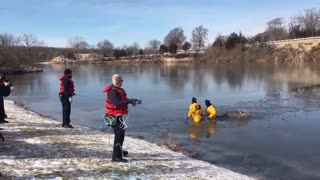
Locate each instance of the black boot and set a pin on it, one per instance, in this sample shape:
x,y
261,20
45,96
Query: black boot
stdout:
x,y
3,121
67,126
120,160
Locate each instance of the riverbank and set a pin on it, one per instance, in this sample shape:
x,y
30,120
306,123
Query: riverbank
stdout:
x,y
20,69
295,51
151,58
37,147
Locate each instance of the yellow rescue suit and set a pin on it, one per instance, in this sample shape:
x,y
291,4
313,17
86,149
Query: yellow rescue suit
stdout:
x,y
211,112
195,112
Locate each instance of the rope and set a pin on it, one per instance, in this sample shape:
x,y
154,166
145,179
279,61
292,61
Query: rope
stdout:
x,y
111,121
93,98
146,109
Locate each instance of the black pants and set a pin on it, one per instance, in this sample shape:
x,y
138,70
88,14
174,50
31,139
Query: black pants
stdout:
x,y
119,134
66,110
1,109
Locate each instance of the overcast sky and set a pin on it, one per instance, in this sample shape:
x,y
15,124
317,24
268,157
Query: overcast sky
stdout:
x,y
125,22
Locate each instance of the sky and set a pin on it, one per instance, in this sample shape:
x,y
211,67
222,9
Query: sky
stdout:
x,y
127,21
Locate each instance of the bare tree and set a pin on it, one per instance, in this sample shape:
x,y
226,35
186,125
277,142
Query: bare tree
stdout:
x,y
9,40
8,52
83,45
199,38
30,40
132,49
276,23
106,47
275,30
77,43
153,46
135,47
175,36
295,30
306,24
310,21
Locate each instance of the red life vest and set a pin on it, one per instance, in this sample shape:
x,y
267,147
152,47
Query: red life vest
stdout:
x,y
71,87
112,109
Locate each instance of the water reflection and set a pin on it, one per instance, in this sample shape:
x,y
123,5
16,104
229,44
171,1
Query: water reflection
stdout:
x,y
202,129
166,89
200,76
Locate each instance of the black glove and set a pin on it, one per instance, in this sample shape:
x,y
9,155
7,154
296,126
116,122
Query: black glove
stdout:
x,y
7,83
133,102
138,101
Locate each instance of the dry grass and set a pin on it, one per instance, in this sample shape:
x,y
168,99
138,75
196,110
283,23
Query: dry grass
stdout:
x,y
239,54
286,53
306,44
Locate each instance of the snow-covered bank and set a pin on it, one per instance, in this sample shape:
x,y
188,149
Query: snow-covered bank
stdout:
x,y
37,147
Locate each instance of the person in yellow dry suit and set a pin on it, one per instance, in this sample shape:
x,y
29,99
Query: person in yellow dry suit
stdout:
x,y
211,112
195,111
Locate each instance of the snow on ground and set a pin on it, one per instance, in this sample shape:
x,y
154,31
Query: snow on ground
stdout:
x,y
37,147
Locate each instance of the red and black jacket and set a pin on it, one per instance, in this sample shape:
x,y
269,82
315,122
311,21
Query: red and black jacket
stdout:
x,y
67,87
116,101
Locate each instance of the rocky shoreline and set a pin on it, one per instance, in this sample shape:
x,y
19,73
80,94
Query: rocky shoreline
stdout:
x,y
20,69
36,147
151,58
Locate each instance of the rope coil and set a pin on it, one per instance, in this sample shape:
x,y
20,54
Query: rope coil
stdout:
x,y
112,120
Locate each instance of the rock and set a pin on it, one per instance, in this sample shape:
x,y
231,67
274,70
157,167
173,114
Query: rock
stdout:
x,y
62,59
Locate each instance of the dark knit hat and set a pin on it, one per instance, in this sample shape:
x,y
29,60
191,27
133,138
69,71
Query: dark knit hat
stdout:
x,y
207,102
67,71
194,100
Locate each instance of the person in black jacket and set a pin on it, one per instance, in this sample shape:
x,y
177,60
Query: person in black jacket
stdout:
x,y
66,93
5,90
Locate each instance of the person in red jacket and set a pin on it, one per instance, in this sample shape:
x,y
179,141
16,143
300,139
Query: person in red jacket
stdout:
x,y
117,106
66,93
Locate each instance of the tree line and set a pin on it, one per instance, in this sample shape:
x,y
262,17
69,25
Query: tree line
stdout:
x,y
28,49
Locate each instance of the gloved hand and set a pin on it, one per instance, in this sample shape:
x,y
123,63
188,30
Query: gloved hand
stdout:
x,y
70,100
138,101
133,102
7,83
206,118
186,118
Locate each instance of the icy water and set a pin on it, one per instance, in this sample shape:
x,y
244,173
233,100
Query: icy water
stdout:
x,y
280,140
